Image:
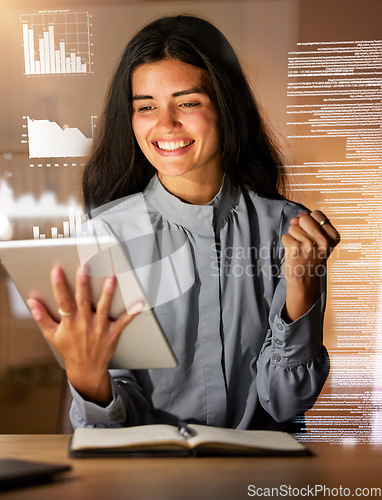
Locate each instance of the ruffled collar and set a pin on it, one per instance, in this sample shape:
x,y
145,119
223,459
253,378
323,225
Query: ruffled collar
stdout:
x,y
187,215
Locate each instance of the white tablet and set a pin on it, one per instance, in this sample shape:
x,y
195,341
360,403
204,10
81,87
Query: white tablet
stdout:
x,y
142,344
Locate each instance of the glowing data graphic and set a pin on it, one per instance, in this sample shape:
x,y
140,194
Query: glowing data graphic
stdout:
x,y
73,225
56,43
48,140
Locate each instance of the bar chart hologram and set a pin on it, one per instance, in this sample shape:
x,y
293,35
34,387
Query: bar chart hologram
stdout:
x,y
56,43
48,140
70,227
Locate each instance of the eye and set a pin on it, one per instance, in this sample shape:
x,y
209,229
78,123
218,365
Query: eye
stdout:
x,y
188,105
144,109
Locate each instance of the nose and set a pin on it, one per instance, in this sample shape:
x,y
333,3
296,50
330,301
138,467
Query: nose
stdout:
x,y
167,119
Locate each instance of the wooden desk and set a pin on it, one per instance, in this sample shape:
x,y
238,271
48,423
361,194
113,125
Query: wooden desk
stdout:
x,y
349,466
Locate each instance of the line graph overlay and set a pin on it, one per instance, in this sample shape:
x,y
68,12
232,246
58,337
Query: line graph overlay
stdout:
x,y
48,140
56,43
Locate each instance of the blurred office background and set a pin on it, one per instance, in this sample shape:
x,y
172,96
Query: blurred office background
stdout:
x,y
316,69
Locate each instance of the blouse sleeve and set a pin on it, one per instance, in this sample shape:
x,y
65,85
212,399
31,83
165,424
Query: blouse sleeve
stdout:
x,y
127,408
293,363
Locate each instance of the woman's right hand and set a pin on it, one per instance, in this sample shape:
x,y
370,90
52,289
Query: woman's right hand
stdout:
x,y
85,338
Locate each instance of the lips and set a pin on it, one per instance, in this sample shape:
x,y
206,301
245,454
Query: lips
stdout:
x,y
173,145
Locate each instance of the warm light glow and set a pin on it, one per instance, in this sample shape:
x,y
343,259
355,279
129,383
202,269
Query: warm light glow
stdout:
x,y
6,231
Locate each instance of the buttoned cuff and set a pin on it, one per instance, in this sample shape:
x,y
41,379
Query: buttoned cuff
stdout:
x,y
297,342
91,414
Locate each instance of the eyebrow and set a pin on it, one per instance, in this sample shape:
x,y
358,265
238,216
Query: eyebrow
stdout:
x,y
193,90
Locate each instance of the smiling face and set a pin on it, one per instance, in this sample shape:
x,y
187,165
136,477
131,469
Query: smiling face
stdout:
x,y
175,121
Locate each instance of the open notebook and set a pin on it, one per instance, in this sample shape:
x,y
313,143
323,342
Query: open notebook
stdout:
x,y
186,439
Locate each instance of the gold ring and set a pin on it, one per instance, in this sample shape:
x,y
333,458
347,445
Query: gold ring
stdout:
x,y
63,313
325,221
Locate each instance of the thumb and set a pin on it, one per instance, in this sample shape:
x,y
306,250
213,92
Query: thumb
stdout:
x,y
296,220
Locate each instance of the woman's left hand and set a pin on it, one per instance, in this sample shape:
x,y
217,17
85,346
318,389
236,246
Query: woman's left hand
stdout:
x,y
308,244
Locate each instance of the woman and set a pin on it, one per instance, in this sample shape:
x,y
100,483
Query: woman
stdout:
x,y
181,126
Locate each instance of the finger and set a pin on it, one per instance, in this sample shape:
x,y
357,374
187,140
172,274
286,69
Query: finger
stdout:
x,y
83,294
324,235
104,302
42,317
310,234
61,292
319,217
301,235
326,226
314,247
291,245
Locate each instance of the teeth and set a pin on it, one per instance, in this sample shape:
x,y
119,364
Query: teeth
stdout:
x,y
172,146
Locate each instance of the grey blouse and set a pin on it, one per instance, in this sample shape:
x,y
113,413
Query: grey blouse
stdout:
x,y
240,364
